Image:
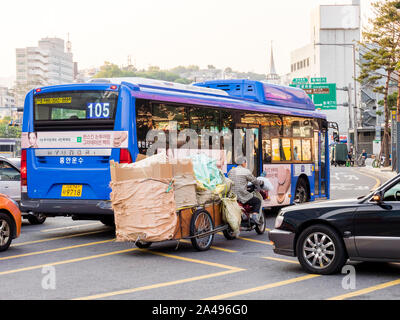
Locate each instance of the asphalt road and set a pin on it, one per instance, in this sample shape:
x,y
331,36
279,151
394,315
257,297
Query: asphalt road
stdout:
x,y
65,259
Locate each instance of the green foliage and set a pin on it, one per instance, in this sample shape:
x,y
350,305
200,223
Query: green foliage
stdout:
x,y
7,131
110,70
391,101
382,46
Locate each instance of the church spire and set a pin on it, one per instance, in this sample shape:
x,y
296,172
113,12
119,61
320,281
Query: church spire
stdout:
x,y
272,76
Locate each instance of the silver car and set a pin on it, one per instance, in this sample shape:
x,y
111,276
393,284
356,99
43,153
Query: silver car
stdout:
x,y
10,185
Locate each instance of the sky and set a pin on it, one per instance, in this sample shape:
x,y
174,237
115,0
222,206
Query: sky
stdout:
x,y
165,33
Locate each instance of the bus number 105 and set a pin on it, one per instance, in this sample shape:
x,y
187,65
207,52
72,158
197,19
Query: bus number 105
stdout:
x,y
98,110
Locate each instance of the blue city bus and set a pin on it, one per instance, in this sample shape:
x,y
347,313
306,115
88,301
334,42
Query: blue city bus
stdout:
x,y
71,132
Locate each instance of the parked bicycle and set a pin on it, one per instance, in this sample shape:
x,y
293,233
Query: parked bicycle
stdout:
x,y
378,163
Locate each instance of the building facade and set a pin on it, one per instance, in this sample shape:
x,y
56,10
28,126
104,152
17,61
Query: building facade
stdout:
x,y
7,102
332,54
47,64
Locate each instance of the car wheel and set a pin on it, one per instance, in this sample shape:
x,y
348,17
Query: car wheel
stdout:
x,y
320,250
301,192
6,231
37,218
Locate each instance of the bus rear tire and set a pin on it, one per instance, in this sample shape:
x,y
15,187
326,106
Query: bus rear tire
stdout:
x,y
108,221
37,218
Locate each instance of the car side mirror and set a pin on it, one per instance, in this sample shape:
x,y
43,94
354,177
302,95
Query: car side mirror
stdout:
x,y
377,197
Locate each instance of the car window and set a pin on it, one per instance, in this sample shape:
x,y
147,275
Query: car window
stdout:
x,y
8,172
390,194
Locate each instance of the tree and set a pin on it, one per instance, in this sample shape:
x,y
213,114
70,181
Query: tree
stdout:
x,y
111,70
382,45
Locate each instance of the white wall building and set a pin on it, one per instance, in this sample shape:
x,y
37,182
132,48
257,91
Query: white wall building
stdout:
x,y
47,64
334,30
7,102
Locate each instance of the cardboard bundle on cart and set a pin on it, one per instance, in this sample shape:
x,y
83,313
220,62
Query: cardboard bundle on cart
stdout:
x,y
146,194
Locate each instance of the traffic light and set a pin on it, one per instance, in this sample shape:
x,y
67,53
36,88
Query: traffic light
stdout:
x,y
336,136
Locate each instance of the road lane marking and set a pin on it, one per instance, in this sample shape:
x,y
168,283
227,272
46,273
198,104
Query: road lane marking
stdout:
x,y
230,270
281,260
55,250
254,240
72,227
261,288
366,290
378,182
213,247
212,264
158,285
57,238
67,261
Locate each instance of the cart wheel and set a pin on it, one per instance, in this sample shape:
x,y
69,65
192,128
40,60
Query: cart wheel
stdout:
x,y
228,234
200,223
143,244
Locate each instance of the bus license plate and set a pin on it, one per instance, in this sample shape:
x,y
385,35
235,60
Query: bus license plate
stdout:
x,y
71,190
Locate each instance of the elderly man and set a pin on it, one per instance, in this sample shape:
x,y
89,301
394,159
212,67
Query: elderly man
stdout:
x,y
240,177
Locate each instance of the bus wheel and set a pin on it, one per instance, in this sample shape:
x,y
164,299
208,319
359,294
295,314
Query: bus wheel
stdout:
x,y
108,221
36,218
301,193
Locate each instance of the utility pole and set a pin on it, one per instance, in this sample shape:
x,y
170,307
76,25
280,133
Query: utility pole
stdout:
x,y
349,108
355,102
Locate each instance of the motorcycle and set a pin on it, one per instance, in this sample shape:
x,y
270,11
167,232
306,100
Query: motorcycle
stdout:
x,y
248,223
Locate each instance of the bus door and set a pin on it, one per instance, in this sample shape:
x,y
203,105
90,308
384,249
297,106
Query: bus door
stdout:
x,y
320,164
324,164
249,136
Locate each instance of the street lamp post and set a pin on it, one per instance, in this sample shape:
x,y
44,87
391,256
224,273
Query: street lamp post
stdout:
x,y
355,122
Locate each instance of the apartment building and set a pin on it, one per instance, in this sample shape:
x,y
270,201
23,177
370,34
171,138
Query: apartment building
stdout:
x,y
50,63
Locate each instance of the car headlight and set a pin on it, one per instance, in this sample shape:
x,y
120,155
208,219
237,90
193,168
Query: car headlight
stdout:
x,y
279,220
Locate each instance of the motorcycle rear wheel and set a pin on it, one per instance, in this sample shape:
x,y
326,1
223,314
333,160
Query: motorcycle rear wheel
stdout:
x,y
260,227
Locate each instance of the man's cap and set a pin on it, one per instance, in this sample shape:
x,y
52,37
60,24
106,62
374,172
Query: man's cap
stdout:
x,y
241,160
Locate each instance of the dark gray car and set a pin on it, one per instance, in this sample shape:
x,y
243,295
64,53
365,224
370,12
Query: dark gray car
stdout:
x,y
325,235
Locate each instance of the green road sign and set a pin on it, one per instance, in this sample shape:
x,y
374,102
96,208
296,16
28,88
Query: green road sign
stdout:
x,y
318,80
300,80
322,94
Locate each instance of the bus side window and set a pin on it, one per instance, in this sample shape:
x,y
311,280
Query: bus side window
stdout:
x,y
144,123
171,119
205,119
266,151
